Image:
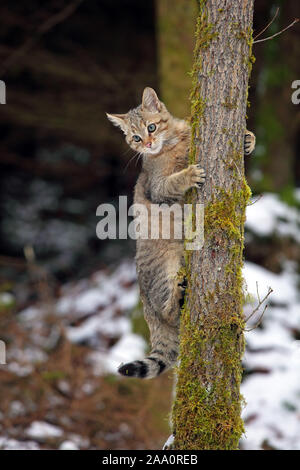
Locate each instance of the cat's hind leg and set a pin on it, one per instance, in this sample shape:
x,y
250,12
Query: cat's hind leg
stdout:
x,y
161,294
166,290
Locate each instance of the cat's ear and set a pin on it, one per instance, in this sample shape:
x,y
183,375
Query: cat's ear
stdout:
x,y
150,101
118,120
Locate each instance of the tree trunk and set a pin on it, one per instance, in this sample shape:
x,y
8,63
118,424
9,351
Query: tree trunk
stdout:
x,y
207,408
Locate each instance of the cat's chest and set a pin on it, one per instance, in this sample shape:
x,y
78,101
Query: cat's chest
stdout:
x,y
168,163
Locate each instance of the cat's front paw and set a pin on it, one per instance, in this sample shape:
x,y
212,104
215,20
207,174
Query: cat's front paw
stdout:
x,y
249,142
196,175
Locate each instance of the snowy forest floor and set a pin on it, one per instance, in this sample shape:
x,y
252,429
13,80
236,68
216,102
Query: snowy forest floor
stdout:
x,y
59,388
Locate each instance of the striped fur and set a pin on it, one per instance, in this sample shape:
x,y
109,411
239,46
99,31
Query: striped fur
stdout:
x,y
164,179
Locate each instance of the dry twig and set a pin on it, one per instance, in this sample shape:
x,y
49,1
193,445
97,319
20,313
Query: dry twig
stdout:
x,y
260,302
256,200
268,25
279,32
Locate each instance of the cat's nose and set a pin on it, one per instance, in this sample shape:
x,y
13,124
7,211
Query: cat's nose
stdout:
x,y
148,144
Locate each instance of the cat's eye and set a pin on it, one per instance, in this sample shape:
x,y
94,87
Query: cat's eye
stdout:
x,y
151,127
136,138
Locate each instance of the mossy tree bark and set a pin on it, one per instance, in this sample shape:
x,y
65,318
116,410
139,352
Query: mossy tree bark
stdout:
x,y
207,408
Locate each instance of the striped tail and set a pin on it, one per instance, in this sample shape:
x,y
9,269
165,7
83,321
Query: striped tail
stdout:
x,y
162,357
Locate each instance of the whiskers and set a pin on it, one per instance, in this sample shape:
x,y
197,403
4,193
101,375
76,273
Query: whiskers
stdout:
x,y
126,151
138,155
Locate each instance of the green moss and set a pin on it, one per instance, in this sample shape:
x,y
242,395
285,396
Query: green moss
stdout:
x,y
241,35
222,213
229,104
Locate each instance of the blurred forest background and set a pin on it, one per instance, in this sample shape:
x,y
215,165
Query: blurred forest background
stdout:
x,y
69,311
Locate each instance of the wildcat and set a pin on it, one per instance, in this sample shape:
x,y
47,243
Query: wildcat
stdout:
x,y
164,142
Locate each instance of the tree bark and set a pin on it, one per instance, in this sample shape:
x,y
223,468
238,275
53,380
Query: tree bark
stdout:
x,y
207,407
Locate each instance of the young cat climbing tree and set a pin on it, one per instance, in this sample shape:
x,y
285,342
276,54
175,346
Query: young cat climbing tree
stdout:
x,y
207,407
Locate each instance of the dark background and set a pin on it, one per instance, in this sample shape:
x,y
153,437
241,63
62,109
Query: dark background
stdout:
x,y
60,157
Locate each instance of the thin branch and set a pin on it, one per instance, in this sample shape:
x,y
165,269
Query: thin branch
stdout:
x,y
41,30
268,25
279,32
256,200
260,302
257,292
259,321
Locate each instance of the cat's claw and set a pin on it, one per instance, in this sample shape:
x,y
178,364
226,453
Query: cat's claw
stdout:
x,y
198,175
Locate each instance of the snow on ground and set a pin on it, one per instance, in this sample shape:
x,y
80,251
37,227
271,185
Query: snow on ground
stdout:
x,y
111,298
129,348
13,444
169,442
40,430
272,359
269,215
94,312
68,445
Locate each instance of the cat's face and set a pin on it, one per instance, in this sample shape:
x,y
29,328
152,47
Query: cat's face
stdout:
x,y
145,127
